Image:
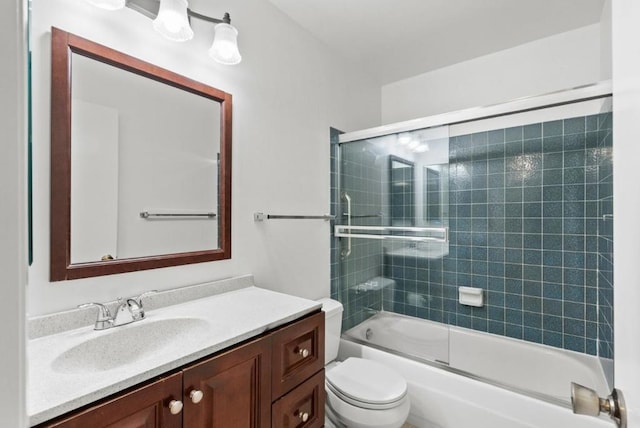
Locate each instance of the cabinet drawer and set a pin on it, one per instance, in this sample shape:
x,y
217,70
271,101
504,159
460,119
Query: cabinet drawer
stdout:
x,y
302,407
297,353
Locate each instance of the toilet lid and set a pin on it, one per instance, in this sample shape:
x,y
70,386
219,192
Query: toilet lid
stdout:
x,y
366,381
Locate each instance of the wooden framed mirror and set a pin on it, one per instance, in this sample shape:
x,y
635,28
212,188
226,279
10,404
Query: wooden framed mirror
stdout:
x,y
140,164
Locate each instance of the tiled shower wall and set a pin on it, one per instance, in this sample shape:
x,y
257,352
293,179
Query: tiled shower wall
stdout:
x,y
605,238
526,225
524,217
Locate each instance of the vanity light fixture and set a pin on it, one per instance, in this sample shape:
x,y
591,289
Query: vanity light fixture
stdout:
x,y
171,18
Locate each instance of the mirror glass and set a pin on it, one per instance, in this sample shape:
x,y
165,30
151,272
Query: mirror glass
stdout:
x,y
140,164
140,146
435,186
401,192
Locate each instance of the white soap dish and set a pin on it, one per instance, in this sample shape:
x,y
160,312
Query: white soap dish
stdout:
x,y
470,296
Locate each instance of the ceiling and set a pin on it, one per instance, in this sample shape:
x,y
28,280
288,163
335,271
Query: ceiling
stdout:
x,y
397,39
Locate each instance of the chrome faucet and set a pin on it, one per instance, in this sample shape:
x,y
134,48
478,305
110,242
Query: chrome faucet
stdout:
x,y
128,311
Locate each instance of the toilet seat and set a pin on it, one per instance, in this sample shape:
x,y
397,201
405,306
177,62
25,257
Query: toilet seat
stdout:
x,y
366,384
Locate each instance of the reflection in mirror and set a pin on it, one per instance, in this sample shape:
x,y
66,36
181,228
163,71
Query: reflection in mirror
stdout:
x,y
138,145
435,184
140,164
401,192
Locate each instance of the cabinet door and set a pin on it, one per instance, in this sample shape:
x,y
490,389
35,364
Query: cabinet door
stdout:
x,y
144,407
235,387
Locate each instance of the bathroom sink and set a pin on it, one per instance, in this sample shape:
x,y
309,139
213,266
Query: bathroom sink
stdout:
x,y
121,346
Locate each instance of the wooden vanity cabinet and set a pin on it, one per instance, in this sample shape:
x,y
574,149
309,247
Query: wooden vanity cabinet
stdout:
x,y
235,388
276,380
143,407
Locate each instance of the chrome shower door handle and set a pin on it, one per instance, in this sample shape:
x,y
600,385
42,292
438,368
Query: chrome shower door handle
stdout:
x,y
346,197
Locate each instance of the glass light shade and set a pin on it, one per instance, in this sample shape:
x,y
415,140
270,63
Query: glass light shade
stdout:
x,y
225,45
108,4
172,21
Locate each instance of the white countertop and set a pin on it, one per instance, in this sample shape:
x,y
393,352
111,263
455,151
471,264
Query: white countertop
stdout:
x,y
54,387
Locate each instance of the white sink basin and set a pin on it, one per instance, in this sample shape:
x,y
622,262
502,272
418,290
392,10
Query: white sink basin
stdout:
x,y
121,346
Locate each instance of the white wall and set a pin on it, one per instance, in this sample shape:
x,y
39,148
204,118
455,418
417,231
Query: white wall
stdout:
x,y
12,213
605,42
287,92
554,63
626,174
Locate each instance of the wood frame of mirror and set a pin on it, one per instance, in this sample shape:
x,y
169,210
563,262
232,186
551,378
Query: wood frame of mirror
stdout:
x,y
63,44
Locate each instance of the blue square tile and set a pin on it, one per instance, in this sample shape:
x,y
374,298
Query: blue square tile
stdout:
x,y
513,148
573,225
514,331
552,128
495,137
532,335
552,307
514,134
496,327
512,316
575,125
532,273
552,339
574,327
532,319
591,123
554,243
532,194
532,225
552,144
552,193
532,146
552,323
532,241
513,210
552,274
574,310
513,256
574,142
573,276
552,177
574,176
533,131
532,209
553,160
532,257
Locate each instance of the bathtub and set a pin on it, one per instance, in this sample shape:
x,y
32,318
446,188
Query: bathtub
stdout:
x,y
460,378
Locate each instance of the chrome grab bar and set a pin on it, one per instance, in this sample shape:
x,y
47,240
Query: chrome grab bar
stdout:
x,y
147,215
347,252
262,217
346,232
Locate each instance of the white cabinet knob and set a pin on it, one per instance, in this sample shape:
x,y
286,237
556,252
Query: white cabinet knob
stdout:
x,y
196,396
303,352
175,407
304,417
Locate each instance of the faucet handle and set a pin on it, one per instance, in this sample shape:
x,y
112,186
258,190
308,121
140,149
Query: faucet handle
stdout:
x,y
138,300
104,319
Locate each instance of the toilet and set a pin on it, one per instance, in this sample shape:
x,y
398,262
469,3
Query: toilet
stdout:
x,y
360,393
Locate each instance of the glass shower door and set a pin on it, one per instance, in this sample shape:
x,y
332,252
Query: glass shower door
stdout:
x,y
392,224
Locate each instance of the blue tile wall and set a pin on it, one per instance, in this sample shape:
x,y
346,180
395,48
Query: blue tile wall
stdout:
x,y
605,235
526,224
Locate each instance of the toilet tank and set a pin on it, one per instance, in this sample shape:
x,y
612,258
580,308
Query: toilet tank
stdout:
x,y
332,325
